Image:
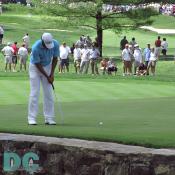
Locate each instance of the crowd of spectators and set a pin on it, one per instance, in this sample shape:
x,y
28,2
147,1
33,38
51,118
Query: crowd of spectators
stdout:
x,y
85,54
167,9
139,62
12,54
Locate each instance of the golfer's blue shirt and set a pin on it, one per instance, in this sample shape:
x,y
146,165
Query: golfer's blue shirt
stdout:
x,y
42,55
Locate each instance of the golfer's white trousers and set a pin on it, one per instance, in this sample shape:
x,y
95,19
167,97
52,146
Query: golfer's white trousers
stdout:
x,y
37,78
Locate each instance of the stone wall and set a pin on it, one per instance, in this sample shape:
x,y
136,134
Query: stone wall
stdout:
x,y
78,157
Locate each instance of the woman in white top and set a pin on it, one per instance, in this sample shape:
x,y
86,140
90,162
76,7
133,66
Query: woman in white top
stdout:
x,y
152,62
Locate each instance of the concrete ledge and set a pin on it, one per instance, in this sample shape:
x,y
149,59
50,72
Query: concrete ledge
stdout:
x,y
61,156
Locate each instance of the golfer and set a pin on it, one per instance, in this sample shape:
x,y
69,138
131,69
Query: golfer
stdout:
x,y
43,60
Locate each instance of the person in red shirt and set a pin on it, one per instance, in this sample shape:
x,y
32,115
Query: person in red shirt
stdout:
x,y
158,47
14,58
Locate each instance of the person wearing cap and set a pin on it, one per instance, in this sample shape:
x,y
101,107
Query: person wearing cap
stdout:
x,y
126,58
43,61
94,56
85,58
8,53
23,55
137,57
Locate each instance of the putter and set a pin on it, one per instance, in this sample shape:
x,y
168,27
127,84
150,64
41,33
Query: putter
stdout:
x,y
59,105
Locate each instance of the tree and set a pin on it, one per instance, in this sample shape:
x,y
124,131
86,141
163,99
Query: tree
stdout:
x,y
78,10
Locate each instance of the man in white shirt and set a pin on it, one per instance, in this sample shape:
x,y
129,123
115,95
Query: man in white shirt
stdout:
x,y
94,55
77,58
23,55
64,53
126,58
8,53
85,57
26,40
164,45
137,58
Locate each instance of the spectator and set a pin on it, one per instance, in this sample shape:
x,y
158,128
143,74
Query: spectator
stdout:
x,y
64,53
158,47
77,58
111,67
137,58
103,65
80,42
132,43
142,70
164,45
94,55
26,40
152,62
123,42
126,58
23,55
15,57
85,57
88,41
147,54
1,34
72,48
8,53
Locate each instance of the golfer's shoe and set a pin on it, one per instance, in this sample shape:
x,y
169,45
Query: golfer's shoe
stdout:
x,y
50,122
32,122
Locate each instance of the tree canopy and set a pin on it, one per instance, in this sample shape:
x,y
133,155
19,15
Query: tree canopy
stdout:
x,y
91,14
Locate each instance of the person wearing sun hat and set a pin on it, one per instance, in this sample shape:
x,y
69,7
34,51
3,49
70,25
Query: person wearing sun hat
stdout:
x,y
43,60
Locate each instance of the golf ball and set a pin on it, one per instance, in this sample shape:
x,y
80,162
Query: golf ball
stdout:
x,y
100,123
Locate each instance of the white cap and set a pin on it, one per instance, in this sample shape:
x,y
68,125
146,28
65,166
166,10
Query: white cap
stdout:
x,y
136,45
48,40
9,44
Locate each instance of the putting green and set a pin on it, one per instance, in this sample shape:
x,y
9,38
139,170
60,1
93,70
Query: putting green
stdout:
x,y
132,112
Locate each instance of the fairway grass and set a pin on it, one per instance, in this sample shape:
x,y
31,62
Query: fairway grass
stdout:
x,y
134,110
132,113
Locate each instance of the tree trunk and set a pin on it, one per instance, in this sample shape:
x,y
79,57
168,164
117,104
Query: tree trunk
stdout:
x,y
99,31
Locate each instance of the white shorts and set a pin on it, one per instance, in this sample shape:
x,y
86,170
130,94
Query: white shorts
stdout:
x,y
8,59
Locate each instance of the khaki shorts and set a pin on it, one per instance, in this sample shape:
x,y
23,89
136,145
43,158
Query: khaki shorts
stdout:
x,y
22,59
